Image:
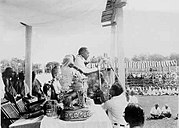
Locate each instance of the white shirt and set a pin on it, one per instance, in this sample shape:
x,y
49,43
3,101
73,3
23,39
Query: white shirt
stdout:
x,y
80,63
133,99
116,107
155,111
164,110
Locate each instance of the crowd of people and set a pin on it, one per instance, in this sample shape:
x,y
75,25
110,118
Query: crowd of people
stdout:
x,y
15,86
154,91
152,79
70,79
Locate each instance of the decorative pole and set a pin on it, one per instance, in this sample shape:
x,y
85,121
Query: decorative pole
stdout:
x,y
28,61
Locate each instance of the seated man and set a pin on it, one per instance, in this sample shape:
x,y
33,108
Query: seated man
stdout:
x,y
116,105
155,112
166,111
134,115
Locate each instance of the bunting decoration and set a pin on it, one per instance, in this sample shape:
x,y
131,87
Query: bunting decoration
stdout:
x,y
139,64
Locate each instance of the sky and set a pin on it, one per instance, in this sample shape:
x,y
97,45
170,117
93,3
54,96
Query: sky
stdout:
x,y
149,27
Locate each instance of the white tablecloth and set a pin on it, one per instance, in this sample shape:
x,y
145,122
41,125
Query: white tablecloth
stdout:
x,y
27,123
99,119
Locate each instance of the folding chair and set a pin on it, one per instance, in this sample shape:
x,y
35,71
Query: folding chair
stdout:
x,y
10,112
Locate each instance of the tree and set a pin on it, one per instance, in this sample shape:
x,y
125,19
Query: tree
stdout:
x,y
4,63
153,57
135,58
17,64
174,56
156,57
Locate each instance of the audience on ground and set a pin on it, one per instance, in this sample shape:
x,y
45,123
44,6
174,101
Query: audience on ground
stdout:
x,y
155,79
155,112
166,111
153,91
134,116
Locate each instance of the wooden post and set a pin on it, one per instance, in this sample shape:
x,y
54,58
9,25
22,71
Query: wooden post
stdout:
x,y
117,35
28,61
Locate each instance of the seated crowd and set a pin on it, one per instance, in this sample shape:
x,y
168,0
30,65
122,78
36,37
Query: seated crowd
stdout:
x,y
156,79
154,91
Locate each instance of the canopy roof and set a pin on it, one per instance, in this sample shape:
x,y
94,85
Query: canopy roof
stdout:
x,y
54,21
53,13
68,24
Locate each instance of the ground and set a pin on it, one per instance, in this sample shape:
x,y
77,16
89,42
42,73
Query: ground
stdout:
x,y
148,101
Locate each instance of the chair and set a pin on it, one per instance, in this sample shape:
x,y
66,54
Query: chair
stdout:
x,y
9,112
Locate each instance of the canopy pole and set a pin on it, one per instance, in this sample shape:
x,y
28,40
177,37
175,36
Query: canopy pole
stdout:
x,y
117,43
28,60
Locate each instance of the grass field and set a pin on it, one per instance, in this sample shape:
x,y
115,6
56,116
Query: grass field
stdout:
x,y
147,102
